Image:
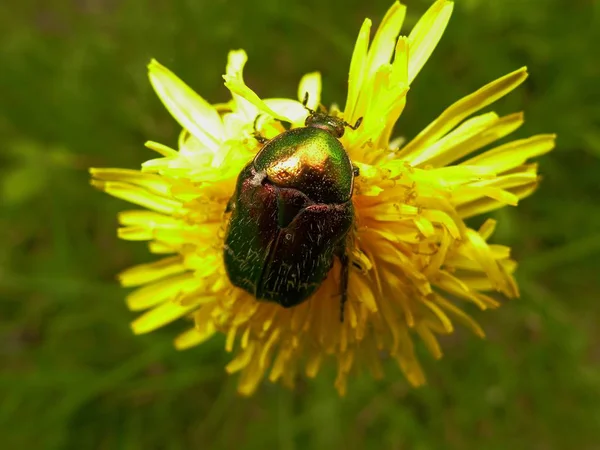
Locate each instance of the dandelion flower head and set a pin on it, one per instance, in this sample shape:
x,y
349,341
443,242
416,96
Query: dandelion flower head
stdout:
x,y
413,257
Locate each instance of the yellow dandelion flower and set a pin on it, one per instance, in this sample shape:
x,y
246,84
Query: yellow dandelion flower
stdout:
x,y
413,257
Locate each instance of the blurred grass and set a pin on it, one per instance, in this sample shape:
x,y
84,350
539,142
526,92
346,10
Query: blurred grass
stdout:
x,y
74,93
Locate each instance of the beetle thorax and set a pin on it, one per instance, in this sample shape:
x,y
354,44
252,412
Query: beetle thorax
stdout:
x,y
323,121
311,160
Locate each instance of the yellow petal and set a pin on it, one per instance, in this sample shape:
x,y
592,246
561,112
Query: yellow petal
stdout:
x,y
408,362
487,228
466,194
462,109
399,78
464,131
426,34
380,106
147,273
439,257
487,204
480,251
509,181
159,316
357,74
160,291
294,111
188,108
384,41
440,315
462,141
442,218
462,259
313,364
135,233
455,286
235,83
430,341
191,338
230,339
266,351
242,359
145,218
513,154
400,63
363,292
236,60
162,149
250,378
424,226
161,248
280,365
397,233
459,315
502,127
456,175
389,211
138,196
152,182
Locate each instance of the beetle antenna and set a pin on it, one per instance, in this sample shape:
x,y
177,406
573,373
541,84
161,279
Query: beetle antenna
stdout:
x,y
355,126
259,137
255,123
305,102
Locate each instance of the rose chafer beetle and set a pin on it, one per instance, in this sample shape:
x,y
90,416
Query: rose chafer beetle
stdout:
x,y
291,213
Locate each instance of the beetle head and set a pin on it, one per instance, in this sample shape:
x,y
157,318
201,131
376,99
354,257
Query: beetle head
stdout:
x,y
331,124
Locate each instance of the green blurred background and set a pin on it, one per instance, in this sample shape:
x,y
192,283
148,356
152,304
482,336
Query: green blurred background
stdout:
x,y
74,93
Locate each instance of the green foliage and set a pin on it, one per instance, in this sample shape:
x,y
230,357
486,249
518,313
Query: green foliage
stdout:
x,y
74,93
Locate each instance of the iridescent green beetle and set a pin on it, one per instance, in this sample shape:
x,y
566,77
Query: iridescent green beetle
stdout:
x,y
291,213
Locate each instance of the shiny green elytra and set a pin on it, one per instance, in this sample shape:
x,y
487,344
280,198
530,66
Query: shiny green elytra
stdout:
x,y
291,213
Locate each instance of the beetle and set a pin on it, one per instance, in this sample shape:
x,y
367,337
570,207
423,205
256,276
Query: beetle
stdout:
x,y
291,213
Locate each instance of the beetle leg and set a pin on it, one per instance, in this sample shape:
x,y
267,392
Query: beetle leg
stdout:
x,y
355,171
344,276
